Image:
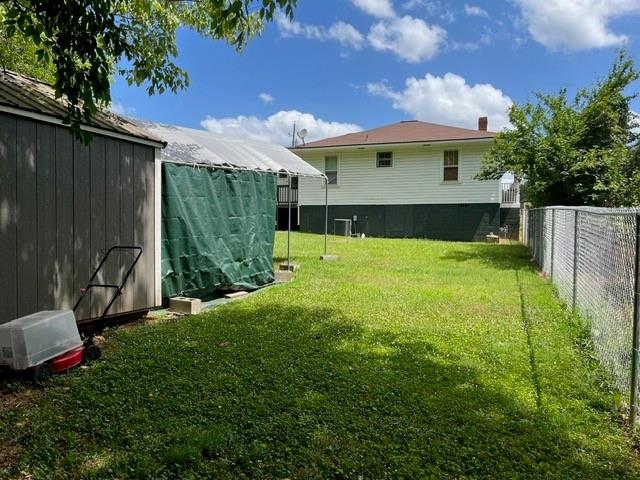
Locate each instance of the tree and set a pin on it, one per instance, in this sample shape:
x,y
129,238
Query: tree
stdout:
x,y
88,41
18,53
574,152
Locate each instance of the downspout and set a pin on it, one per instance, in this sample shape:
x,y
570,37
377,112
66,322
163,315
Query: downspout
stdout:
x,y
326,212
289,224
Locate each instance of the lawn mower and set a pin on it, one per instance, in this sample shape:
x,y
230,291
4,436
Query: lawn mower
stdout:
x,y
48,342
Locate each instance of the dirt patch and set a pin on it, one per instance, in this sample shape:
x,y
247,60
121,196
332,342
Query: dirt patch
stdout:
x,y
9,455
13,400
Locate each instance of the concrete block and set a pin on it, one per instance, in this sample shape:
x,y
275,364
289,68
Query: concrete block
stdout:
x,y
284,277
329,258
492,238
188,306
236,294
294,267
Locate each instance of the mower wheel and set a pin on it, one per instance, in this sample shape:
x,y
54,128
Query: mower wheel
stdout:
x,y
92,353
40,373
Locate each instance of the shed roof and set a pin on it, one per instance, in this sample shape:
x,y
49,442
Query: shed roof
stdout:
x,y
201,147
412,131
21,93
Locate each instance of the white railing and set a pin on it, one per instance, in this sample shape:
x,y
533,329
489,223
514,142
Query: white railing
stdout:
x,y
510,193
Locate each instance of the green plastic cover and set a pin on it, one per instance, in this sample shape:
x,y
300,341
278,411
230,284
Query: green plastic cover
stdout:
x,y
218,230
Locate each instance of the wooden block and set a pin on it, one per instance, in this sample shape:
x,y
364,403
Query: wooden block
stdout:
x,y
329,258
189,306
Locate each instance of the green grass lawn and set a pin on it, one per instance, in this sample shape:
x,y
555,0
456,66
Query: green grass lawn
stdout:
x,y
404,359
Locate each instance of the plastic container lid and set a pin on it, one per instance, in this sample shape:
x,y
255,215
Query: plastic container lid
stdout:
x,y
37,338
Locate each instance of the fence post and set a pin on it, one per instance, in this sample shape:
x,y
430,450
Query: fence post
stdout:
x,y
553,238
539,235
576,256
636,331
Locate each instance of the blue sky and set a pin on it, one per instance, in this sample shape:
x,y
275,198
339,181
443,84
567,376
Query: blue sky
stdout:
x,y
343,65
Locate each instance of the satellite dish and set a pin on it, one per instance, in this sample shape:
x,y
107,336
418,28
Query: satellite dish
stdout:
x,y
302,134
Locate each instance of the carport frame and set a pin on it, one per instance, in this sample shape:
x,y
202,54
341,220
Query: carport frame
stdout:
x,y
281,172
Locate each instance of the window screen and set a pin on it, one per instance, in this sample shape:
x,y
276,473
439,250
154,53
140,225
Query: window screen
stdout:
x,y
451,166
331,169
384,159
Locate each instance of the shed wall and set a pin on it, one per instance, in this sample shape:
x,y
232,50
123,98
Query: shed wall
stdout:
x,y
62,204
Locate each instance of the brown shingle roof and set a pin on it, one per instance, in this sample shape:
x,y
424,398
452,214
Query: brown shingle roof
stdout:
x,y
31,95
412,131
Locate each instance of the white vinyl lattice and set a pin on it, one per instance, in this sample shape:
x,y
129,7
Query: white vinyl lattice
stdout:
x,y
590,256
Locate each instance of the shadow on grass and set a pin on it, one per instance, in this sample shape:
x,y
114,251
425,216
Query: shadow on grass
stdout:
x,y
503,257
268,391
526,324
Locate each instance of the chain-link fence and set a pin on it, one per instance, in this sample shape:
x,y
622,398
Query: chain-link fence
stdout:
x,y
591,256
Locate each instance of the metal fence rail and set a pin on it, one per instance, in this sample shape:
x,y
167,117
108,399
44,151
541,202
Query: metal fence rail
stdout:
x,y
591,256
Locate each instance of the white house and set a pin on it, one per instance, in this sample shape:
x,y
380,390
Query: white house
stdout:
x,y
409,179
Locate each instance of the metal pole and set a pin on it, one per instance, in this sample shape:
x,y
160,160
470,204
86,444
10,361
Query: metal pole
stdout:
x,y
576,256
326,213
636,332
538,223
289,226
553,235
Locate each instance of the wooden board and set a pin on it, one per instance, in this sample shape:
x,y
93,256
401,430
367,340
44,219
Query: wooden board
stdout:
x,y
8,211
27,218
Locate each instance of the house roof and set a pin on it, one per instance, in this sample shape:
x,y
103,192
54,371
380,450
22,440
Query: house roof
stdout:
x,y
412,131
203,148
20,93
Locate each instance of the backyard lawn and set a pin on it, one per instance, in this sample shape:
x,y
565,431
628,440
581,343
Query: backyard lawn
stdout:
x,y
404,359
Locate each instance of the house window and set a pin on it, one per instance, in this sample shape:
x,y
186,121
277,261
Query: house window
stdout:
x,y
331,169
451,166
384,159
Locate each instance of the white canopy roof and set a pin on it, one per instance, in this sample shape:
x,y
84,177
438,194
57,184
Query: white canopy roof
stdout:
x,y
201,147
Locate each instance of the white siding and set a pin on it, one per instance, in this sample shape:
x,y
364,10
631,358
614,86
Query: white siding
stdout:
x,y
415,178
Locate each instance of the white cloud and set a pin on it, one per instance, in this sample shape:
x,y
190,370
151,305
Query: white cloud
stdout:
x,y
432,8
409,38
575,24
278,127
120,109
266,97
344,33
635,122
485,39
376,8
413,4
448,100
448,16
475,11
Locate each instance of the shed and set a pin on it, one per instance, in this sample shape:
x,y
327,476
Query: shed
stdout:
x,y
63,203
219,202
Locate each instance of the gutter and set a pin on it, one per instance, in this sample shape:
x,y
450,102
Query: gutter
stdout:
x,y
423,143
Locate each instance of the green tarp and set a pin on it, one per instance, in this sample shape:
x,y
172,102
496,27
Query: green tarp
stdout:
x,y
218,230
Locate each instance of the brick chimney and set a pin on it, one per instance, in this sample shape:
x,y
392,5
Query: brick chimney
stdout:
x,y
483,124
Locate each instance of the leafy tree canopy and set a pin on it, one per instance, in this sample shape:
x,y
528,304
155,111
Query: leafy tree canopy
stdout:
x,y
81,44
576,151
18,53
